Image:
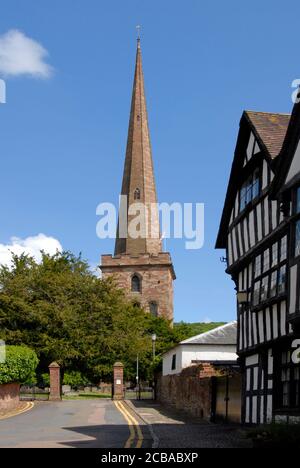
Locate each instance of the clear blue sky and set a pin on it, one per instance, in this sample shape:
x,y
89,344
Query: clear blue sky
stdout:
x,y
63,139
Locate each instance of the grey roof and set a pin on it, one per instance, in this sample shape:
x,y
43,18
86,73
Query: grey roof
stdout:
x,y
224,335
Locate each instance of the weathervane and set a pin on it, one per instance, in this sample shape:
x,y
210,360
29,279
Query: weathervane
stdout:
x,y
138,28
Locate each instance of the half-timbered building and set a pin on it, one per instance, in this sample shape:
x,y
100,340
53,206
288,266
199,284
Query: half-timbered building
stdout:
x,y
260,235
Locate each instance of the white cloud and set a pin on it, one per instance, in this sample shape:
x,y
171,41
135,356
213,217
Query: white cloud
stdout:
x,y
31,246
20,55
206,320
94,268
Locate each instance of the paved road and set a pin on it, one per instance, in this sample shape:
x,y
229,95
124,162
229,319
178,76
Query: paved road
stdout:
x,y
174,429
74,423
104,424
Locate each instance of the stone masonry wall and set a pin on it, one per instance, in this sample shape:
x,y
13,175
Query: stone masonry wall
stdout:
x,y
189,391
156,274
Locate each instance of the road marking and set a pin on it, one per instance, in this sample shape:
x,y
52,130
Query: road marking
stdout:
x,y
27,407
133,426
137,426
155,439
129,422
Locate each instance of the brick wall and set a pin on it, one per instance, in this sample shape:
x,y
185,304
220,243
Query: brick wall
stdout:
x,y
55,382
190,391
118,388
9,396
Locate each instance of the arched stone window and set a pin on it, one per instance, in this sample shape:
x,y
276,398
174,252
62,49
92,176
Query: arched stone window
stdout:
x,y
136,284
137,194
153,307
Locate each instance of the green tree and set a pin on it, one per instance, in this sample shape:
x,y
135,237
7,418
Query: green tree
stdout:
x,y
19,366
66,314
183,330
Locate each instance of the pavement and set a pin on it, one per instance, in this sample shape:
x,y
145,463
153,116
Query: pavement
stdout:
x,y
22,407
107,424
175,429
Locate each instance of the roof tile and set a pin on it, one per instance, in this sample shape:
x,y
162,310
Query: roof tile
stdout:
x,y
271,128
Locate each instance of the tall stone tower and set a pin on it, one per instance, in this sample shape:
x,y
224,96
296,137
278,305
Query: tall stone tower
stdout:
x,y
139,265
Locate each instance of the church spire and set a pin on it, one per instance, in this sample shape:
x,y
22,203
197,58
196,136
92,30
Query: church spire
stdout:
x,y
138,177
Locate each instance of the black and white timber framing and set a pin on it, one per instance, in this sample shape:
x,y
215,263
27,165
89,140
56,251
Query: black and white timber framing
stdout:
x,y
260,230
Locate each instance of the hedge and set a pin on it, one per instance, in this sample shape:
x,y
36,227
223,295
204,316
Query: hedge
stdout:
x,y
19,366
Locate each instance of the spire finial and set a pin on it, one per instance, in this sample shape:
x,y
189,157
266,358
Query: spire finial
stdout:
x,y
138,28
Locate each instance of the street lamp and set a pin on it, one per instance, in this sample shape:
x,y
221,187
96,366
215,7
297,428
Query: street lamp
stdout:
x,y
154,337
242,297
138,387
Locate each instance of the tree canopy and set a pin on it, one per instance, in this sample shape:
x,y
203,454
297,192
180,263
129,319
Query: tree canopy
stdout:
x,y
19,366
184,330
66,314
63,312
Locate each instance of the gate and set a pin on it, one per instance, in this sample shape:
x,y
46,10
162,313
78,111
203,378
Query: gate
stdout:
x,y
143,391
33,393
226,396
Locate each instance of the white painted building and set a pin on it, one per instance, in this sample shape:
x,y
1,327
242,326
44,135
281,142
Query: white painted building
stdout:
x,y
217,345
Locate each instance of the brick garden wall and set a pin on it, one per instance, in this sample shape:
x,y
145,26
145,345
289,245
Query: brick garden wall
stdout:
x,y
190,391
9,396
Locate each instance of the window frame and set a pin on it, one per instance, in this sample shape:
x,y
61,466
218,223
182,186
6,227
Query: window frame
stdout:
x,y
137,194
174,362
296,224
247,195
139,289
287,381
263,289
296,247
297,201
151,303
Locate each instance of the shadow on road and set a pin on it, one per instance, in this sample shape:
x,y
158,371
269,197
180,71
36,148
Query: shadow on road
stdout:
x,y
106,436
169,436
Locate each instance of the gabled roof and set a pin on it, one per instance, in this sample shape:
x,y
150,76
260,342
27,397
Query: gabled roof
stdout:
x,y
287,151
223,335
270,129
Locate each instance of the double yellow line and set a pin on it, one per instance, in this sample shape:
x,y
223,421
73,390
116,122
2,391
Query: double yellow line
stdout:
x,y
136,434
13,413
